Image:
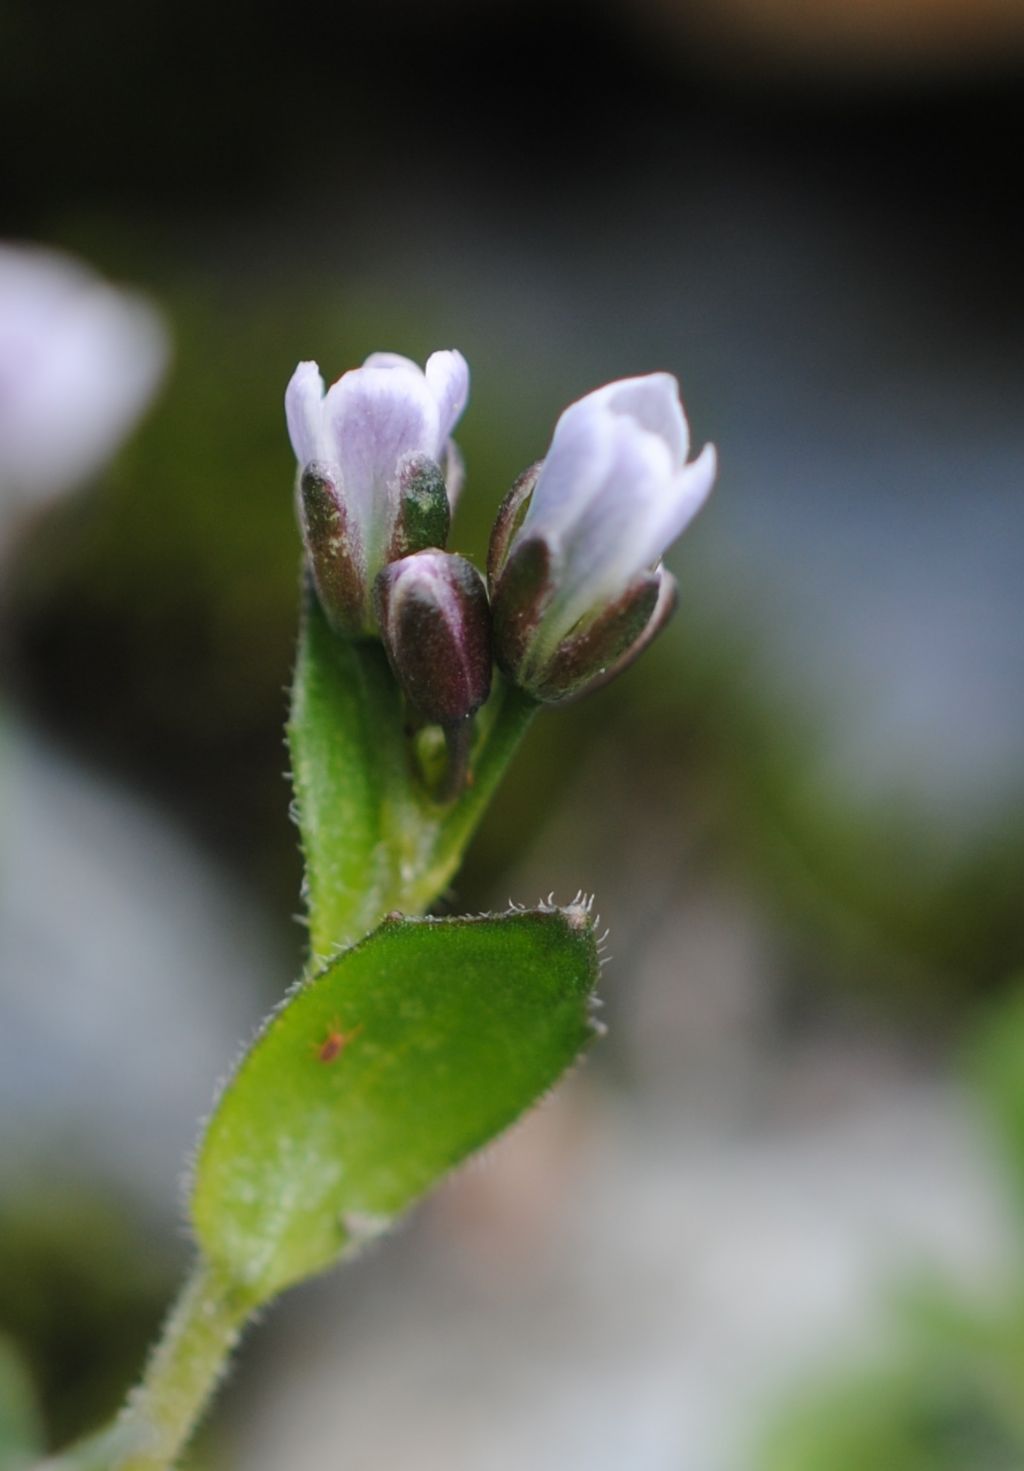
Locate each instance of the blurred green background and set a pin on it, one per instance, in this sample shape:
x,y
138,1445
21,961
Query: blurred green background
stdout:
x,y
801,813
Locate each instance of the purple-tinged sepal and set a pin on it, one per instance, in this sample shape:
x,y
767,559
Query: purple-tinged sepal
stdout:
x,y
435,622
332,549
577,586
508,520
588,658
623,626
519,600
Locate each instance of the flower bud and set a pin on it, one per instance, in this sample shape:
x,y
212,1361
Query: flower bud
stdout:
x,y
435,623
378,471
578,590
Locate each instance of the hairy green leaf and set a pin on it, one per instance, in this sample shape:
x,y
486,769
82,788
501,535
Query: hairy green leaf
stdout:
x,y
350,771
410,1051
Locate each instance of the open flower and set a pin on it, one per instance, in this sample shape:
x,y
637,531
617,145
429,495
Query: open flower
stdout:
x,y
378,471
577,582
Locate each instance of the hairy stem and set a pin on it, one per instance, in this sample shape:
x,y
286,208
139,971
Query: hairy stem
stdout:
x,y
160,1414
511,719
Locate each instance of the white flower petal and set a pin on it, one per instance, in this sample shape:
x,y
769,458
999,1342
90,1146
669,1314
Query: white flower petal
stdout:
x,y
304,410
447,375
390,360
454,467
652,402
374,417
690,488
574,470
607,547
577,465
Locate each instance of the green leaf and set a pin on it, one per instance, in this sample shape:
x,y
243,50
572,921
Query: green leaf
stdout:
x,y
350,773
373,839
409,1052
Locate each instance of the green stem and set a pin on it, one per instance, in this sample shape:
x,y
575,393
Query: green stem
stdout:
x,y
458,741
509,722
186,1367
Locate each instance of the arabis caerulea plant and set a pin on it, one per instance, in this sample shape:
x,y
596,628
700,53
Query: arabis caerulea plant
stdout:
x,y
410,1042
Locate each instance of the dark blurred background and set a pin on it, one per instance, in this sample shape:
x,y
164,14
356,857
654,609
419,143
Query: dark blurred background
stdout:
x,y
801,813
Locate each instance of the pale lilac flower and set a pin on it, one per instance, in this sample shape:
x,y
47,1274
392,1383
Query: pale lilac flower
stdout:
x,y
577,582
377,470
79,361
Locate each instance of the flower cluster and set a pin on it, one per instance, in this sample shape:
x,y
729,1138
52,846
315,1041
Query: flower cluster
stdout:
x,y
575,581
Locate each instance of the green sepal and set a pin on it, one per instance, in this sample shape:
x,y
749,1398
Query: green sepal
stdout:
x,y
425,513
411,1050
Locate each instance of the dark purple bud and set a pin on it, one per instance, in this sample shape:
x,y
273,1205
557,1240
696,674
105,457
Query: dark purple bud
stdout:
x,y
424,509
331,550
435,622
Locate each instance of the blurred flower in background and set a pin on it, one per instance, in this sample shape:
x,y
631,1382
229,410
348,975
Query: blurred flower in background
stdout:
x,y
79,362
88,879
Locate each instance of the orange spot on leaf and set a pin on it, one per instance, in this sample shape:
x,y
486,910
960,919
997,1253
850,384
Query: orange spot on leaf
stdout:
x,y
334,1044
